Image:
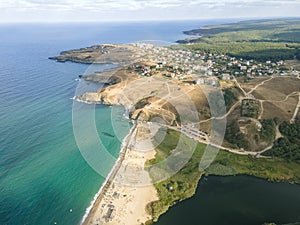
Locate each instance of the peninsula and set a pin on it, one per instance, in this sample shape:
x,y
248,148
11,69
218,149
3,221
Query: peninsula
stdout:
x,y
169,93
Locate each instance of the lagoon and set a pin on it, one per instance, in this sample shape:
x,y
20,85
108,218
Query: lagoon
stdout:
x,y
237,200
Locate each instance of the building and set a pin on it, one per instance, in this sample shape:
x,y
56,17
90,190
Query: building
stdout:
x,y
200,81
225,76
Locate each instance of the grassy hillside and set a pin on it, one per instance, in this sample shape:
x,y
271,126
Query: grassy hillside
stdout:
x,y
286,30
255,39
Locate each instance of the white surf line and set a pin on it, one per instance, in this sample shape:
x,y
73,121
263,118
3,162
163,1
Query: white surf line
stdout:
x,y
110,176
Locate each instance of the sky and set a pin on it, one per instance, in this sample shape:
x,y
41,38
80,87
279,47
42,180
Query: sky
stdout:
x,y
128,10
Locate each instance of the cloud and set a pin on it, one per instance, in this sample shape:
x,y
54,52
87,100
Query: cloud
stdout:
x,y
130,4
43,10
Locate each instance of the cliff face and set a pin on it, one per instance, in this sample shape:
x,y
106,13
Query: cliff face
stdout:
x,y
89,97
111,95
150,99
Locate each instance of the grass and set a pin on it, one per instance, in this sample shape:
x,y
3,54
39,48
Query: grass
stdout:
x,y
273,169
183,184
180,186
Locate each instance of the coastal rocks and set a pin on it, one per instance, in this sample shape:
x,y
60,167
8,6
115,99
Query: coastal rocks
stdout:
x,y
112,93
108,77
89,97
150,98
103,96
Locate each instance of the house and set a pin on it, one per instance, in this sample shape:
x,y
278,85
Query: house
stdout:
x,y
200,80
225,76
243,67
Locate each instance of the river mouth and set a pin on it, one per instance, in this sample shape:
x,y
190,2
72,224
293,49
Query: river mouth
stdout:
x,y
237,200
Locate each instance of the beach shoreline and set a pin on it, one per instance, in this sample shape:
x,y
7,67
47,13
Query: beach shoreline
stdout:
x,y
110,177
124,196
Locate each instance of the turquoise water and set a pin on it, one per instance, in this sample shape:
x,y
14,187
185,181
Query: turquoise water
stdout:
x,y
42,172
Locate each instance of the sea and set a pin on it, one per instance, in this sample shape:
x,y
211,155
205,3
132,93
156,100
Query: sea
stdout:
x,y
45,177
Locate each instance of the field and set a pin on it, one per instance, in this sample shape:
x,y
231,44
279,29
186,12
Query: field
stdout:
x,y
278,95
247,84
267,98
272,111
295,64
282,86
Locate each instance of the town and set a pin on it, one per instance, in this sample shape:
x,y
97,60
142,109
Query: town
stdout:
x,y
199,67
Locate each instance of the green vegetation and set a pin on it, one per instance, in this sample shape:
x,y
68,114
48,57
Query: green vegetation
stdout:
x,y
267,133
291,36
142,103
250,108
235,137
229,98
218,168
257,39
183,184
287,147
180,186
270,29
267,168
163,150
260,51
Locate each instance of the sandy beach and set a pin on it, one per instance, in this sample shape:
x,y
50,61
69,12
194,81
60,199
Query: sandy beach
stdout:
x,y
128,190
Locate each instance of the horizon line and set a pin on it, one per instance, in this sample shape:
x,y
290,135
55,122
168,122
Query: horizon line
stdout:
x,y
150,20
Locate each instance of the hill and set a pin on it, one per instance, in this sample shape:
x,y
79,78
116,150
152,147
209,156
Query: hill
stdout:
x,y
252,39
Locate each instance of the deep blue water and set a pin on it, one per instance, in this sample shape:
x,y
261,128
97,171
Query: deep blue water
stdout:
x,y
237,200
42,172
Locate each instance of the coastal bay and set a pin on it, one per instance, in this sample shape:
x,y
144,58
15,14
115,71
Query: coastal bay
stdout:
x,y
261,166
62,194
149,112
44,178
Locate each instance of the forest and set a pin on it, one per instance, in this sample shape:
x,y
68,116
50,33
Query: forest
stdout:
x,y
259,40
287,147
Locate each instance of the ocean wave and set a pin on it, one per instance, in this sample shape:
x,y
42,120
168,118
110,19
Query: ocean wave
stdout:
x,y
83,101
